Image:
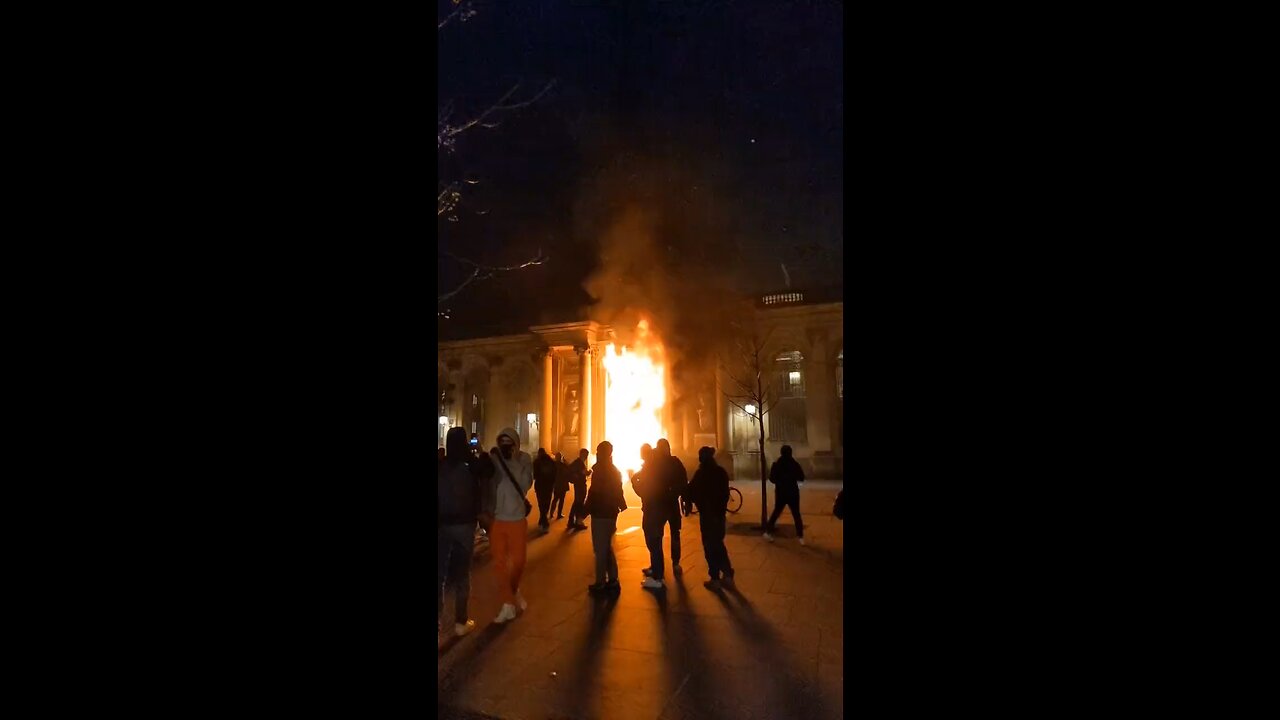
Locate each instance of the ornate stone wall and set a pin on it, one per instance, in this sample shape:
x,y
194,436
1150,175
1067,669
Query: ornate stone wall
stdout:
x,y
555,373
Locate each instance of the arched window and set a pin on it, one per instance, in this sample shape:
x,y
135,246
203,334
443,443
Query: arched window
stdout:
x,y
787,418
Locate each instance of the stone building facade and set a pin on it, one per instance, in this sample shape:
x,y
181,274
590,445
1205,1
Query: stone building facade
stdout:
x,y
549,384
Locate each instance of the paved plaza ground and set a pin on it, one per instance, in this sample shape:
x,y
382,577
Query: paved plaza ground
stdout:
x,y
772,649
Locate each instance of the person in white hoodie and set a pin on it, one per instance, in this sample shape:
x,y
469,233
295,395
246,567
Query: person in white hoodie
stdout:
x,y
512,478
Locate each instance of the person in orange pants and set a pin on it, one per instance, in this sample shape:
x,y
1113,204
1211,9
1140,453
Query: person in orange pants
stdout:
x,y
508,549
512,478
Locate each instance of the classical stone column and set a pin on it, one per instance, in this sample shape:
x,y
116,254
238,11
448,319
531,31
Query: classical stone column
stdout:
x,y
599,385
546,425
457,409
584,398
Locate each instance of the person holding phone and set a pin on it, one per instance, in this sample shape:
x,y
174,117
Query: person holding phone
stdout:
x,y
461,484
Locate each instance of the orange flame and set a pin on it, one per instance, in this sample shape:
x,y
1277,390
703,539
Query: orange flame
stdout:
x,y
635,394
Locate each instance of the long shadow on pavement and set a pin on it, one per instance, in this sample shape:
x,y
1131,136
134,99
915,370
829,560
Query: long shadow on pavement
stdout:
x,y
785,685
692,682
470,657
580,685
467,665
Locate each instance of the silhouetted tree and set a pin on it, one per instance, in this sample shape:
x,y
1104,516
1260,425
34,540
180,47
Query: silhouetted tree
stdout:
x,y
745,367
449,190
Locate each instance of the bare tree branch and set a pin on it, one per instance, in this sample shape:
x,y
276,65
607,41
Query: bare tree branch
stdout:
x,y
446,133
449,194
462,11
481,271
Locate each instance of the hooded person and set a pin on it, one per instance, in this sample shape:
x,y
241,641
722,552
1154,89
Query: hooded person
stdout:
x,y
709,490
676,481
544,480
461,496
786,476
512,478
604,501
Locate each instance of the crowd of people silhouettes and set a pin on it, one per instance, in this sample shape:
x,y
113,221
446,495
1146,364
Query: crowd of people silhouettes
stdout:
x,y
484,493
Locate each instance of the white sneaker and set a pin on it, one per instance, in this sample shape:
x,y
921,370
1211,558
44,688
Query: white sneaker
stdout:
x,y
507,614
461,629
801,541
768,537
520,602
651,584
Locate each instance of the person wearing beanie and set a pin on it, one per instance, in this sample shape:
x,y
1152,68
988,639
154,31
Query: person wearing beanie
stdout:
x,y
709,490
648,484
786,475
604,501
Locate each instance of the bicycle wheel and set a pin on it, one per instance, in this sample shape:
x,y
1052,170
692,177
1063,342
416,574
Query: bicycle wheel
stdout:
x,y
735,500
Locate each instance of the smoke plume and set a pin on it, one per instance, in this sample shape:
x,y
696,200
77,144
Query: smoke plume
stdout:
x,y
667,252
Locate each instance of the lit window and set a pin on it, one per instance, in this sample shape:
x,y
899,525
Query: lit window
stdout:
x,y
787,417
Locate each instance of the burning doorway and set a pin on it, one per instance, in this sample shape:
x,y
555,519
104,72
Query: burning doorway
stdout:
x,y
635,396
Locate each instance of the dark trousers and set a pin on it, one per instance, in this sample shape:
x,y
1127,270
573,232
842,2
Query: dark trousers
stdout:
x,y
791,501
674,520
713,527
557,503
578,512
454,545
653,524
544,504
602,530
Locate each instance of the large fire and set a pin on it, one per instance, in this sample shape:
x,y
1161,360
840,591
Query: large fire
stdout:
x,y
635,394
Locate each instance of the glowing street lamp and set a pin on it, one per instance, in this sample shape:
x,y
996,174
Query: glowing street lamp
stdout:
x,y
751,410
531,418
444,420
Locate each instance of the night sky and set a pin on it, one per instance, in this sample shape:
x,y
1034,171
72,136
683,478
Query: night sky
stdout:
x,y
722,121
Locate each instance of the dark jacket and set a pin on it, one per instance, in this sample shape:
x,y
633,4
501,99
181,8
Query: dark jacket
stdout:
x,y
605,500
786,473
461,482
578,475
677,480
544,473
677,486
562,478
709,489
647,483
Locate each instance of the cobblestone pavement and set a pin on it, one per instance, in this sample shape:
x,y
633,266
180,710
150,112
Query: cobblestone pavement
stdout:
x,y
771,650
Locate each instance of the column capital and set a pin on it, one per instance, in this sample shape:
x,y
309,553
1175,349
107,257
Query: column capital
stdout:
x,y
582,349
